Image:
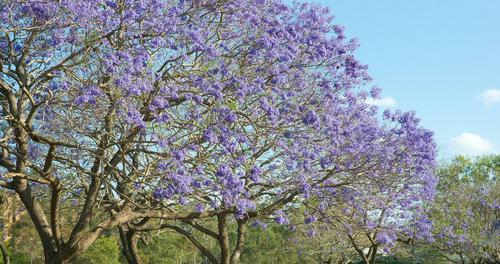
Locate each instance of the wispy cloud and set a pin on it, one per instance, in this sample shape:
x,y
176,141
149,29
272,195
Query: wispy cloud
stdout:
x,y
490,97
382,102
471,144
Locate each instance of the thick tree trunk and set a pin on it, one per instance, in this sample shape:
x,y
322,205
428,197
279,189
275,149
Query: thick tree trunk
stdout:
x,y
132,246
69,252
37,217
225,251
128,240
373,254
240,242
123,241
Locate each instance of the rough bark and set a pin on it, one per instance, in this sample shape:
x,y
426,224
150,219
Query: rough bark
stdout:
x,y
240,242
128,239
225,251
37,216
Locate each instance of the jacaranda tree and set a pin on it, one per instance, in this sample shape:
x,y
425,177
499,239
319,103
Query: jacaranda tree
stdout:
x,y
466,212
137,110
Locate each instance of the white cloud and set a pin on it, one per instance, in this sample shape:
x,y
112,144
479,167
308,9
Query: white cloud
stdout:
x,y
382,102
490,97
471,144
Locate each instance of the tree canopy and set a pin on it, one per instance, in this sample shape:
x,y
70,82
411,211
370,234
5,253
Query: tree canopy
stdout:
x,y
144,110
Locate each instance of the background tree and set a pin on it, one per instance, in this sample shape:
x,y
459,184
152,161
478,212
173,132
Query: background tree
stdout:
x,y
466,212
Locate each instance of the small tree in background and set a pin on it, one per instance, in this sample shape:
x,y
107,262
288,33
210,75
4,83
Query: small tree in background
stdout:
x,y
466,212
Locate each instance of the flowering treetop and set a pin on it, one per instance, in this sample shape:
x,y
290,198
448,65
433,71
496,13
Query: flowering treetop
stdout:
x,y
198,106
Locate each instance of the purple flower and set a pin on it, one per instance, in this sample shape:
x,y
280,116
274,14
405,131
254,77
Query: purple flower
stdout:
x,y
255,173
311,233
280,218
199,208
375,92
230,117
311,118
386,238
310,219
209,135
183,200
243,205
138,186
89,95
134,117
259,224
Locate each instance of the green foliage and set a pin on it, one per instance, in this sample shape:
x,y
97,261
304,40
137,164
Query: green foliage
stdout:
x,y
169,248
18,258
419,253
271,245
469,171
103,250
15,257
25,246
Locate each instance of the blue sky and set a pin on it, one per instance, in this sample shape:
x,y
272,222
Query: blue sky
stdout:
x,y
440,58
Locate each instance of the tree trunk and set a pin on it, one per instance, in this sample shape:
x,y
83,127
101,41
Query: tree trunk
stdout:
x,y
373,255
37,216
5,254
128,240
225,252
132,246
240,242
